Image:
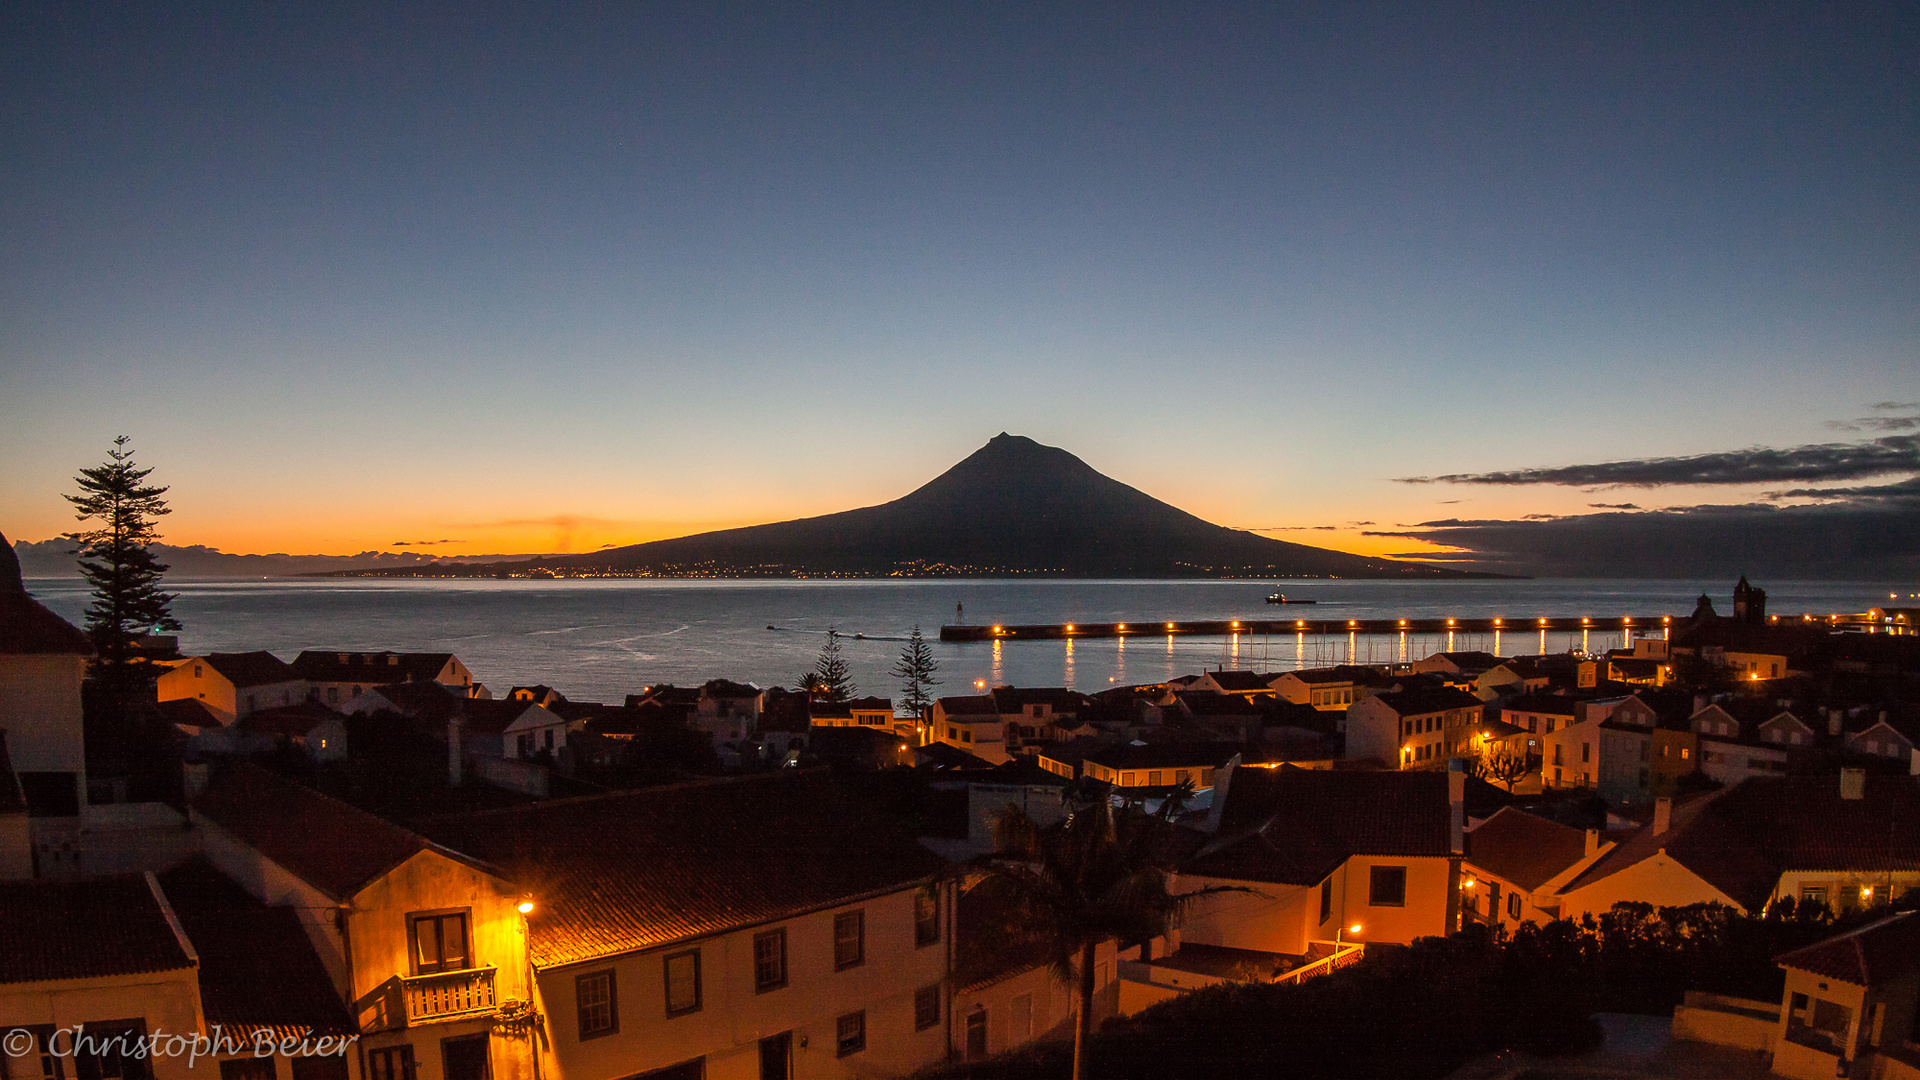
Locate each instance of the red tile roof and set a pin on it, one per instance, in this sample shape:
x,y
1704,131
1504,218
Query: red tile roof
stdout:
x,y
334,847
251,668
1742,839
84,929
1869,956
970,705
258,970
1296,826
616,873
1525,850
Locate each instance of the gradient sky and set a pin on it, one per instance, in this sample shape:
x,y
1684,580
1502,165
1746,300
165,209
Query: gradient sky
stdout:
x,y
532,279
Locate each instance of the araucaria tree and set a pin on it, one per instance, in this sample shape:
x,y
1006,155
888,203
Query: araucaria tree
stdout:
x,y
116,559
829,678
1100,874
915,670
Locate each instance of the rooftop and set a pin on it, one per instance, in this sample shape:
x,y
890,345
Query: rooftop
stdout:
x,y
1869,956
1295,826
85,929
632,870
1526,850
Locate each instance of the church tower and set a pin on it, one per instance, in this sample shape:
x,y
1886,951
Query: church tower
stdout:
x,y
1749,603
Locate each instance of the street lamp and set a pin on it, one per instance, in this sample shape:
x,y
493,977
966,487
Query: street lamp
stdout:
x,y
1338,930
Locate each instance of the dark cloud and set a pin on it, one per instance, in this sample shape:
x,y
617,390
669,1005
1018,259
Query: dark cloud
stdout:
x,y
1906,491
1358,523
1615,506
1894,406
1757,465
1876,423
1862,533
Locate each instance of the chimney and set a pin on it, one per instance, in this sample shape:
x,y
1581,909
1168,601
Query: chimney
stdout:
x,y
1833,722
455,751
1699,702
1457,805
1662,815
1853,784
1593,842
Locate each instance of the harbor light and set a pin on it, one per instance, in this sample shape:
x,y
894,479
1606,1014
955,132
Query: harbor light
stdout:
x,y
998,630
1169,626
1069,628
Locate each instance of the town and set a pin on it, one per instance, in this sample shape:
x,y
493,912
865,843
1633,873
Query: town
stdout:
x,y
372,865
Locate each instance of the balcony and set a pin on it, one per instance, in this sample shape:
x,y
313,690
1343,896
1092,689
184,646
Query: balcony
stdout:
x,y
447,995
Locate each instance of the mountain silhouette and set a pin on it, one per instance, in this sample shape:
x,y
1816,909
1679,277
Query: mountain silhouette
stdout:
x,y
1013,507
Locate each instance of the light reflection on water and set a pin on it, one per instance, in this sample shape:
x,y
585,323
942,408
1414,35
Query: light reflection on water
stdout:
x,y
599,640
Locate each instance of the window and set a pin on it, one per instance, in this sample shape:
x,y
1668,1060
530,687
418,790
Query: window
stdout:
x,y
465,1058
1126,779
594,997
1181,776
926,1007
769,961
1020,1024
926,917
967,735
1513,905
1586,752
1153,778
1387,886
850,942
392,1063
683,982
851,1034
439,942
1326,899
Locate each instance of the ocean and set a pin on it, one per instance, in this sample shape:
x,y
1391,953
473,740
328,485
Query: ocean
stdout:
x,y
599,640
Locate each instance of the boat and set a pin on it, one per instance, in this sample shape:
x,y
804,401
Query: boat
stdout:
x,y
1281,598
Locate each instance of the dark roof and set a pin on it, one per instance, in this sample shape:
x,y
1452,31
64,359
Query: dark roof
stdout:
x,y
428,701
190,712
830,710
970,705
1470,660
1556,704
1869,956
1742,839
616,873
939,755
334,847
26,625
1324,675
1059,698
251,668
85,929
258,970
293,721
1296,826
1166,755
727,688
1241,680
325,665
1420,702
491,717
871,704
784,710
1214,703
1526,850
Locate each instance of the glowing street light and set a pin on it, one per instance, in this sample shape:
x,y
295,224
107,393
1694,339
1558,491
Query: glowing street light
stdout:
x,y
526,907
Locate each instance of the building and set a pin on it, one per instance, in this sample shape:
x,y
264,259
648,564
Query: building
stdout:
x,y
514,730
338,677
1244,683
971,723
768,926
313,729
1848,1007
1514,863
43,661
1326,689
1323,852
233,685
1147,765
424,945
1840,842
1412,729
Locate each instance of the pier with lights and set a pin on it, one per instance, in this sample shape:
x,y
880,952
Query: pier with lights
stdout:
x,y
1230,627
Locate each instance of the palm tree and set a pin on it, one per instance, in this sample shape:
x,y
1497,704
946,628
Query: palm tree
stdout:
x,y
1098,874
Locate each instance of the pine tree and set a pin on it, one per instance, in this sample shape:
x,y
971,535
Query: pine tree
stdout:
x,y
117,561
915,670
830,672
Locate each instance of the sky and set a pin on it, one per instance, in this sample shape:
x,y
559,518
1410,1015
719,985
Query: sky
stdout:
x,y
508,278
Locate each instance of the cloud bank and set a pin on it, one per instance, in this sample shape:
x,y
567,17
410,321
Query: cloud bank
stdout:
x,y
1813,463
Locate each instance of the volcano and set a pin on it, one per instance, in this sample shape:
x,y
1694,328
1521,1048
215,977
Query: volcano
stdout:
x,y
1013,507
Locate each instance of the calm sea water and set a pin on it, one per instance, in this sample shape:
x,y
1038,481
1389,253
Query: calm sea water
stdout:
x,y
599,640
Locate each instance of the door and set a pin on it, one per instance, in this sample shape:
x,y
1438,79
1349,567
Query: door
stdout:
x,y
977,1035
776,1057
464,1058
